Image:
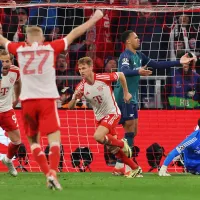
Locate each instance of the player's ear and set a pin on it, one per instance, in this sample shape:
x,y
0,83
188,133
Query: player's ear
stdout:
x,y
92,67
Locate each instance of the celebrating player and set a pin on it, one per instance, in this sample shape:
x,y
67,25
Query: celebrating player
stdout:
x,y
190,149
10,79
133,64
36,60
96,88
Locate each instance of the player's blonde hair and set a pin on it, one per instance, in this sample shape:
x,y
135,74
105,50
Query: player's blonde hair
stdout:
x,y
85,60
34,31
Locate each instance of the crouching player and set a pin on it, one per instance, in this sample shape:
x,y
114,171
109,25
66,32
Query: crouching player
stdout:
x,y
190,148
9,79
97,90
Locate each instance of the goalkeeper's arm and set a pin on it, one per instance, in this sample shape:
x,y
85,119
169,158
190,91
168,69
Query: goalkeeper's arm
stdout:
x,y
80,30
189,141
167,161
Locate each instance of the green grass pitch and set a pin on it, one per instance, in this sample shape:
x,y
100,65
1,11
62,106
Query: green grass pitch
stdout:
x,y
100,186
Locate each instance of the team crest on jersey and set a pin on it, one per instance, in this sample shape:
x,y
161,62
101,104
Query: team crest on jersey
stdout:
x,y
87,93
12,80
178,84
181,148
100,88
125,61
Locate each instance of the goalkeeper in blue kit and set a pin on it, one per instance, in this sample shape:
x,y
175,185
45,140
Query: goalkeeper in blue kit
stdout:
x,y
134,64
190,149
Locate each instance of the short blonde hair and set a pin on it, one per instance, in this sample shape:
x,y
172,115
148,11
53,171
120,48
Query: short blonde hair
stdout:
x,y
34,30
85,60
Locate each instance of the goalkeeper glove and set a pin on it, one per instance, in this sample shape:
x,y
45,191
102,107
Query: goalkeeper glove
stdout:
x,y
163,171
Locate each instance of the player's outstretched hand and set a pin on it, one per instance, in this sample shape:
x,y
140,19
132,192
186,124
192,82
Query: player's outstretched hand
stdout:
x,y
98,15
185,59
163,171
144,72
127,97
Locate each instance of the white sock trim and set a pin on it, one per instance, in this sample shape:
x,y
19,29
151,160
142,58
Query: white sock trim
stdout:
x,y
34,146
54,144
17,142
7,159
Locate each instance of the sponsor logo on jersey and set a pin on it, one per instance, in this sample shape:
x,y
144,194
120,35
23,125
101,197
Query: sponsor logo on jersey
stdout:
x,y
125,61
180,148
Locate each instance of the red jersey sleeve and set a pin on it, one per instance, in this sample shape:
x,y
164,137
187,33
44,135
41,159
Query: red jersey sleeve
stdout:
x,y
12,47
107,77
59,45
16,70
80,87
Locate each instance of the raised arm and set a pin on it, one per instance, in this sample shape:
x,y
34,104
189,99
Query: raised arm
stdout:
x,y
17,90
167,64
80,30
122,79
3,41
189,141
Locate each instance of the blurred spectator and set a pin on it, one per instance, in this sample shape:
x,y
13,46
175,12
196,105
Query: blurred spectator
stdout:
x,y
184,36
14,22
53,34
62,69
110,64
45,17
100,40
182,89
22,23
66,97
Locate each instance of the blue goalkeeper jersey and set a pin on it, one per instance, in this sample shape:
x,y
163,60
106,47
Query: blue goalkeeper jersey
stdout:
x,y
131,61
190,148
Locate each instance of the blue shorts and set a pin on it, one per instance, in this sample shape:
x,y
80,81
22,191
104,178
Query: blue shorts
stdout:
x,y
128,112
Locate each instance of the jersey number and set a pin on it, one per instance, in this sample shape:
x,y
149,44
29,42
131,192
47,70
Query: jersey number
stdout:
x,y
44,55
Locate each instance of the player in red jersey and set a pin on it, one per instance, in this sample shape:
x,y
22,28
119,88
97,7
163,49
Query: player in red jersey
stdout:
x,y
36,60
97,89
10,79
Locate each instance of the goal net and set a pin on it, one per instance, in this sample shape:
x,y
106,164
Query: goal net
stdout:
x,y
168,100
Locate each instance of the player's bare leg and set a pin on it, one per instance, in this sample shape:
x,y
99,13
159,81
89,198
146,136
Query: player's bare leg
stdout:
x,y
102,136
12,150
54,158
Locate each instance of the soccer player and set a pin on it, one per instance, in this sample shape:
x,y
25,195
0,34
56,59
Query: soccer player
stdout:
x,y
97,90
190,149
10,79
133,64
36,60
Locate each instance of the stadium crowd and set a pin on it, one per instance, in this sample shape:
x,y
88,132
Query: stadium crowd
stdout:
x,y
163,36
